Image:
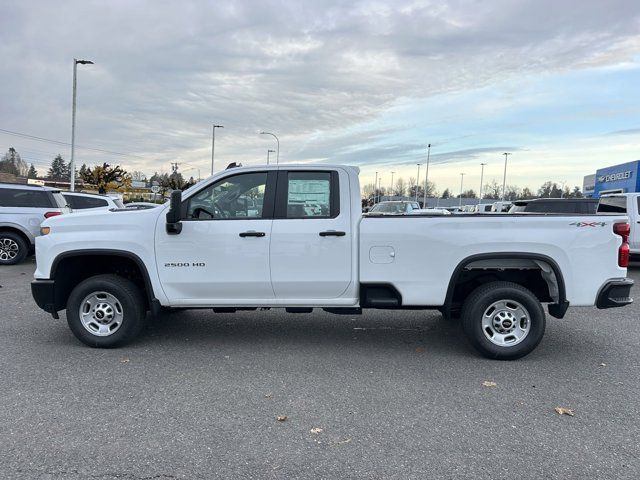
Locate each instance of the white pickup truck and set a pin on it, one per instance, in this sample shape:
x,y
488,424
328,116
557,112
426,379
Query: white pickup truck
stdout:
x,y
293,237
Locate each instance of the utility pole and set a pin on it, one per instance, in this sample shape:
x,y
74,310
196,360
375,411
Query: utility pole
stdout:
x,y
426,178
72,164
461,180
379,187
504,178
213,143
418,180
482,165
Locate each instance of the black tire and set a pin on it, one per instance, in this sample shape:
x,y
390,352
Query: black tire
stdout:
x,y
13,248
130,300
481,299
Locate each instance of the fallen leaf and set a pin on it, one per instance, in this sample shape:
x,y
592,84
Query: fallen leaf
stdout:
x,y
281,418
564,411
342,442
420,349
603,364
124,360
316,430
487,383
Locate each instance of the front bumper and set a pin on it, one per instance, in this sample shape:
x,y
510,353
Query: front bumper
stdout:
x,y
44,294
615,293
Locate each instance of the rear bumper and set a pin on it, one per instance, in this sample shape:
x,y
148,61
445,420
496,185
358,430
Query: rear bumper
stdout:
x,y
43,292
615,293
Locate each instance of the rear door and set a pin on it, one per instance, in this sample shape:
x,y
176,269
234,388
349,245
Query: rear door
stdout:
x,y
311,236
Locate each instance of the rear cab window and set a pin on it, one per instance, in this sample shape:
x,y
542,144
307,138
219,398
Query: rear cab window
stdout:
x,y
612,205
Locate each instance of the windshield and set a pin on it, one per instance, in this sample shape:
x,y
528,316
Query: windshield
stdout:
x,y
388,208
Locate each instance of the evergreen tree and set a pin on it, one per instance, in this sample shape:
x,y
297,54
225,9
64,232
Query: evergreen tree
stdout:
x,y
32,173
59,169
446,193
12,163
105,177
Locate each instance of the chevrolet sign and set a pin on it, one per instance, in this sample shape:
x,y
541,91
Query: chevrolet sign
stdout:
x,y
612,177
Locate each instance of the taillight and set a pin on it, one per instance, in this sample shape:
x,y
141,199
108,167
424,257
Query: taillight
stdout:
x,y
623,229
52,214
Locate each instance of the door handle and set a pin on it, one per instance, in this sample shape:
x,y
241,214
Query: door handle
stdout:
x,y
332,233
251,233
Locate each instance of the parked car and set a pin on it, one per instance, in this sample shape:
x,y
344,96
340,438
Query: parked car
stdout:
x,y
394,207
22,209
625,204
91,201
501,207
431,211
483,207
493,271
555,205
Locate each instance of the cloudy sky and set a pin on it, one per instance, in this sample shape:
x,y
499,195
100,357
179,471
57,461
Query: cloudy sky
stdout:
x,y
366,83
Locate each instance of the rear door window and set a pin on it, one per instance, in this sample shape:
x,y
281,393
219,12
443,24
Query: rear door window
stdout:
x,y
309,195
612,205
10,197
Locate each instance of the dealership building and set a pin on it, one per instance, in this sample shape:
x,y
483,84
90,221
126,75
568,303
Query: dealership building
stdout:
x,y
621,178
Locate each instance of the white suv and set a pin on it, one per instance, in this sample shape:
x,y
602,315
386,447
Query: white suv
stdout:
x,y
22,209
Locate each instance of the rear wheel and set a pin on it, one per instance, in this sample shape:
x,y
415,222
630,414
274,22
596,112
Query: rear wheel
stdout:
x,y
13,248
105,311
503,320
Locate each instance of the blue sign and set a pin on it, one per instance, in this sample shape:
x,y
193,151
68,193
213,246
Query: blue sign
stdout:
x,y
618,179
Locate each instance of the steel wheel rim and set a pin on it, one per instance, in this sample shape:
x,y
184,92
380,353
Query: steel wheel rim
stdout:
x,y
8,249
506,323
101,314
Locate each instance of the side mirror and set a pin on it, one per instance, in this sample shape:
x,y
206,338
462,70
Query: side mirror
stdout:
x,y
174,215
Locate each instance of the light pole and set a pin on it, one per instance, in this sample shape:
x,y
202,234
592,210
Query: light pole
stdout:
x,y
72,164
278,143
213,143
375,190
268,152
461,180
418,180
504,178
392,182
482,165
426,178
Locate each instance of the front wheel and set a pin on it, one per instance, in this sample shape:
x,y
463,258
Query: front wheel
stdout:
x,y
105,311
503,320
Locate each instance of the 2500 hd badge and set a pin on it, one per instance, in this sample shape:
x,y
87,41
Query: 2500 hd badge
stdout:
x,y
185,264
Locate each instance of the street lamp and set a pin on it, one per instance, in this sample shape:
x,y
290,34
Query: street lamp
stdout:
x,y
504,178
72,164
426,178
392,182
375,190
418,180
213,143
461,180
278,147
482,165
268,152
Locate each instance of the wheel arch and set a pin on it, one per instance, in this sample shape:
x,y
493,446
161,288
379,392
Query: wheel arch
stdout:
x,y
553,279
120,262
8,227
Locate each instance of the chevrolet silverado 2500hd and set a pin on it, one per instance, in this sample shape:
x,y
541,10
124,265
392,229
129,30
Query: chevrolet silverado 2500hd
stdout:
x,y
293,237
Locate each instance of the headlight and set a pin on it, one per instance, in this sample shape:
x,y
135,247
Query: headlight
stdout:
x,y
45,230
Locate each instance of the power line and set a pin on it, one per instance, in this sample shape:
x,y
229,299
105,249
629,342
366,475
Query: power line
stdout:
x,y
65,144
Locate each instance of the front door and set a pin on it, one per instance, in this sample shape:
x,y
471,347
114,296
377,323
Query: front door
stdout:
x,y
311,237
221,257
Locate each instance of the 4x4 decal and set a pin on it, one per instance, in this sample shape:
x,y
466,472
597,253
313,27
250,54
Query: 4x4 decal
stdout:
x,y
588,224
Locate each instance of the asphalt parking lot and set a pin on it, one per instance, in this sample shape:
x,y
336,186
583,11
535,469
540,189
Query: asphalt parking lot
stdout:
x,y
389,394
